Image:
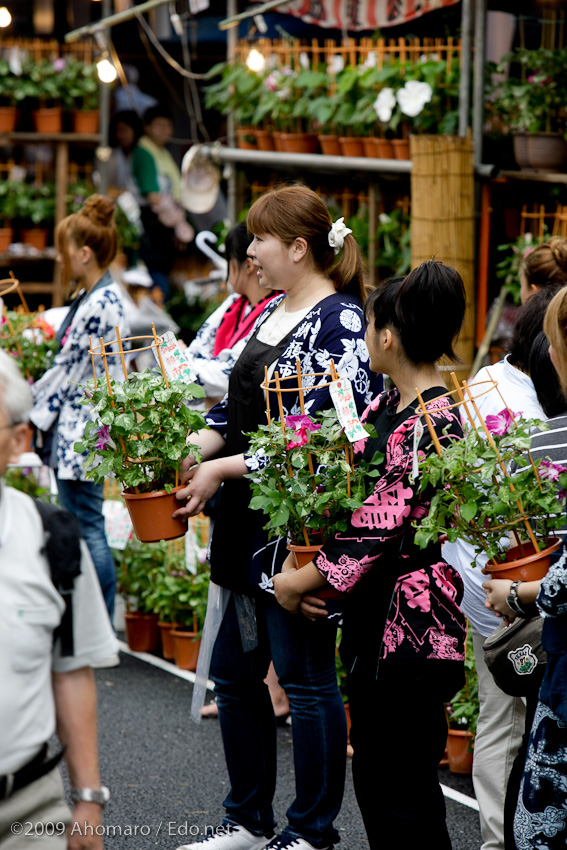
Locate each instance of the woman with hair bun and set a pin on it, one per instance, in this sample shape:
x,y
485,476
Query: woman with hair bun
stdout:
x,y
296,249
403,632
86,243
545,265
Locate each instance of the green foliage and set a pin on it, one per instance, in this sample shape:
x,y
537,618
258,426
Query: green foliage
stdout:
x,y
10,88
139,431
79,85
42,80
35,203
237,92
137,567
393,247
296,498
190,314
25,480
474,499
509,268
463,709
10,191
32,343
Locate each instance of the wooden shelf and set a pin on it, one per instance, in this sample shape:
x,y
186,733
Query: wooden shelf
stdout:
x,y
29,137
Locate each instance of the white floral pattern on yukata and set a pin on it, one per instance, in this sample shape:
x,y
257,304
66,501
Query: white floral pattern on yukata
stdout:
x,y
58,393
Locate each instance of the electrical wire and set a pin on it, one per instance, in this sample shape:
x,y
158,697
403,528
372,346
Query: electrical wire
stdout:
x,y
163,52
159,72
191,91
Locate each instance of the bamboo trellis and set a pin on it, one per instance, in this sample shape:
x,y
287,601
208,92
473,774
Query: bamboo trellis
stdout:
x,y
542,222
41,48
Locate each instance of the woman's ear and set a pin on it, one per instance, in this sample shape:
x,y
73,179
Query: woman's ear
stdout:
x,y
386,338
299,249
86,254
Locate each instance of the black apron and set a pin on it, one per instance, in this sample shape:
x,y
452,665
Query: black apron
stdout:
x,y
238,531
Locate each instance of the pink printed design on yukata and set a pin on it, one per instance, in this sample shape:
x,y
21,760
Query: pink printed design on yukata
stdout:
x,y
415,588
444,646
345,574
385,508
445,577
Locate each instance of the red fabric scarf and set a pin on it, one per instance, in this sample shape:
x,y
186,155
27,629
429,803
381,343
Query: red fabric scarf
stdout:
x,y
235,325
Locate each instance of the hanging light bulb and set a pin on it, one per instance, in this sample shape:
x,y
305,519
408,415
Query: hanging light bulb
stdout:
x,y
255,60
5,17
106,70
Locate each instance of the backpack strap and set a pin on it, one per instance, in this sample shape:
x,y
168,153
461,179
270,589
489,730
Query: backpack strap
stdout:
x,y
62,548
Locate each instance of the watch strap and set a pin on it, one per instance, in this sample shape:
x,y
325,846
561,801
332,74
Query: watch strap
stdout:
x,y
91,795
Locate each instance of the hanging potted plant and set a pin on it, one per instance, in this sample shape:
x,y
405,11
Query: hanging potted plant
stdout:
x,y
462,716
136,569
35,207
139,434
80,91
189,610
511,517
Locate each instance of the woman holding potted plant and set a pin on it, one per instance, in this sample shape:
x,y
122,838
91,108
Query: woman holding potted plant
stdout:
x,y
541,813
298,249
403,632
86,242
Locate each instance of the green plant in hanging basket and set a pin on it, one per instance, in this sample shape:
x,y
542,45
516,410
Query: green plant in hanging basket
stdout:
x,y
139,430
307,484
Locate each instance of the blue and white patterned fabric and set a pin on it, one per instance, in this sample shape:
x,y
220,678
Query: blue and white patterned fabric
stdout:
x,y
541,814
212,373
332,330
58,393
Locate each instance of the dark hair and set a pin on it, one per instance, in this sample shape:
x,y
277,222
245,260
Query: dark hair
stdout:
x,y
555,329
545,379
547,264
426,310
528,324
156,112
127,116
289,212
94,226
237,242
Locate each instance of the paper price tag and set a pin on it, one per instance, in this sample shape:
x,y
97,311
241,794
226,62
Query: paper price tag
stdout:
x,y
417,435
174,361
117,524
342,397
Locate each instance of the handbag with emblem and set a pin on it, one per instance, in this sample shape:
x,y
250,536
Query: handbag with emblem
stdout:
x,y
515,657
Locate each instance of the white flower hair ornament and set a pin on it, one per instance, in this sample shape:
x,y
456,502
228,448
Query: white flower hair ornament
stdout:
x,y
337,234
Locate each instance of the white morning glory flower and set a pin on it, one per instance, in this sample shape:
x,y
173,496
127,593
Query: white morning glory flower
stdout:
x,y
384,104
413,97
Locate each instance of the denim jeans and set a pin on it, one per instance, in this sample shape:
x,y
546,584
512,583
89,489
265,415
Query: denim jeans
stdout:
x,y
84,500
304,659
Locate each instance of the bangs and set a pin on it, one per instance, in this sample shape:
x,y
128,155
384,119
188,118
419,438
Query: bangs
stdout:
x,y
262,215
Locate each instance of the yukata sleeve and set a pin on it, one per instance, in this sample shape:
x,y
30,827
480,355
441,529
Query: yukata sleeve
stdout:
x,y
377,530
217,416
552,596
71,363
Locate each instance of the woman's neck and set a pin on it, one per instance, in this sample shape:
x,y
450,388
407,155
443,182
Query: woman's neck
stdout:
x,y
307,290
407,381
91,276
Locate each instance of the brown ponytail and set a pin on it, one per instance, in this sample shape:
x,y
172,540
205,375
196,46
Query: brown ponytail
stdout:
x,y
555,329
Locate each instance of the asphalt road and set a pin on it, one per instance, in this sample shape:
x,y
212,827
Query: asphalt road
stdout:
x,y
167,774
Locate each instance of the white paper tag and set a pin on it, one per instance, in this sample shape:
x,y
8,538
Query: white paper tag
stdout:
x,y
117,524
417,435
342,397
174,361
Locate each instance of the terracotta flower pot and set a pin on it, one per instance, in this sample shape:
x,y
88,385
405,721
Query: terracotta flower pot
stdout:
x,y
166,639
6,238
330,145
8,119
351,146
48,119
35,236
522,563
385,148
401,148
245,138
141,631
86,122
151,515
186,647
304,555
371,148
278,141
299,142
459,750
264,140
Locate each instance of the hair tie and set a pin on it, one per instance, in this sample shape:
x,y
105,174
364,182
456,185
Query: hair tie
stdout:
x,y
337,234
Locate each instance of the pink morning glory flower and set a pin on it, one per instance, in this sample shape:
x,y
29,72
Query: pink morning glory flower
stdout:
x,y
500,423
301,425
103,438
550,470
59,64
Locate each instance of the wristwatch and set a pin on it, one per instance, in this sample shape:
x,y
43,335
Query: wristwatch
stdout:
x,y
513,602
91,795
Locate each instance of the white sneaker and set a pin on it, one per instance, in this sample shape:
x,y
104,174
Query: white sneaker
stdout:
x,y
288,842
229,838
112,661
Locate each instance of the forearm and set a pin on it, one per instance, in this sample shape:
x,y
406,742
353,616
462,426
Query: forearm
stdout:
x,y
209,441
528,591
75,708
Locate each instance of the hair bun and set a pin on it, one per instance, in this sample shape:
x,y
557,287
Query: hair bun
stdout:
x,y
99,209
558,248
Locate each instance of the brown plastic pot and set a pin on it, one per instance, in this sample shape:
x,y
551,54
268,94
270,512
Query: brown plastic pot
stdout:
x,y
86,122
459,750
35,236
370,148
166,639
6,238
523,563
330,145
520,144
151,515
141,631
351,146
385,148
401,148
299,142
304,555
186,647
8,119
48,119
246,139
547,151
265,140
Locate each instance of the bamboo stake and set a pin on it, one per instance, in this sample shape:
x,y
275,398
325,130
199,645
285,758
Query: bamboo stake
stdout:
x,y
156,341
119,341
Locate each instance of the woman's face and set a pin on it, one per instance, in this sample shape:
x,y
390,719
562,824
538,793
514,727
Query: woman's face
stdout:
x,y
75,259
237,275
371,338
125,135
272,260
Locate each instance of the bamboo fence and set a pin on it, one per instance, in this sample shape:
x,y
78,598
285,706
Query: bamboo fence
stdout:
x,y
41,48
544,223
443,219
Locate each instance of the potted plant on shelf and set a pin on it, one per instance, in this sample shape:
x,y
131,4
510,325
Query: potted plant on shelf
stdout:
x,y
139,434
462,716
9,191
80,92
10,96
237,93
136,568
36,213
43,82
189,610
510,516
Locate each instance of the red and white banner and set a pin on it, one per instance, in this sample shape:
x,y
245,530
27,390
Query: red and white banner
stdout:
x,y
361,14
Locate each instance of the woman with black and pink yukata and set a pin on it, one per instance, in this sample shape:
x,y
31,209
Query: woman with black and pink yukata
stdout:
x,y
403,633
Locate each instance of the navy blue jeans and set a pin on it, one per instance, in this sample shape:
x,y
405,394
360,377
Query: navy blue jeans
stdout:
x,y
84,500
304,659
